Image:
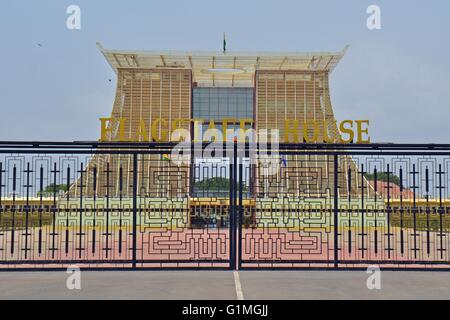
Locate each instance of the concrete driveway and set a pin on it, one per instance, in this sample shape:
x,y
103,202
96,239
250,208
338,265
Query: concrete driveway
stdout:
x,y
174,285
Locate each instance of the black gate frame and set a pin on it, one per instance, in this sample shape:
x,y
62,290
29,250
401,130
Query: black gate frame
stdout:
x,y
236,193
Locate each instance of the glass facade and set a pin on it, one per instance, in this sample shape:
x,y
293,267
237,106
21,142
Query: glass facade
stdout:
x,y
216,104
219,103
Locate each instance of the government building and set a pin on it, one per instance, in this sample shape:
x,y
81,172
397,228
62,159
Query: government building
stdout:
x,y
160,92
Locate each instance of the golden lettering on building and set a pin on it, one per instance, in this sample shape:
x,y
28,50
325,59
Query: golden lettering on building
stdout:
x,y
295,131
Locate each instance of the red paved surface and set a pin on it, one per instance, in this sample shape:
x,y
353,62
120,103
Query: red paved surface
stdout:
x,y
211,247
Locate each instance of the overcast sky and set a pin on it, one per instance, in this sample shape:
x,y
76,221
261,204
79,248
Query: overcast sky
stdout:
x,y
397,77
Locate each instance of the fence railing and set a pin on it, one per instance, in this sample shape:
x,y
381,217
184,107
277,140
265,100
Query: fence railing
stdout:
x,y
135,205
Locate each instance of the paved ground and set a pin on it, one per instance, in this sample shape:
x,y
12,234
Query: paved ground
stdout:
x,y
225,285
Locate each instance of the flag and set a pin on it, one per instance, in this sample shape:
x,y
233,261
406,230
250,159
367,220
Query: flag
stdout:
x,y
283,160
224,43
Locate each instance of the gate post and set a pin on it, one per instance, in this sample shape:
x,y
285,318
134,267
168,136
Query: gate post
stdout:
x,y
336,211
135,172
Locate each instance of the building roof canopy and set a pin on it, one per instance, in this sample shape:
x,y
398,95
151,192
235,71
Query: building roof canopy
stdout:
x,y
222,69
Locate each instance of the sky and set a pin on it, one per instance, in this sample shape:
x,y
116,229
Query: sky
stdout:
x,y
54,82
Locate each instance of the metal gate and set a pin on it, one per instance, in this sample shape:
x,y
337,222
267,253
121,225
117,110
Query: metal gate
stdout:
x,y
113,206
135,206
349,207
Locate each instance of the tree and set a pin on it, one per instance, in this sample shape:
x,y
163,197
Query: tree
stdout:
x,y
53,188
215,183
382,176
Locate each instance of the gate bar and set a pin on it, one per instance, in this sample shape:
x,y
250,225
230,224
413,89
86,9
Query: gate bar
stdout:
x,y
336,212
135,170
240,214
